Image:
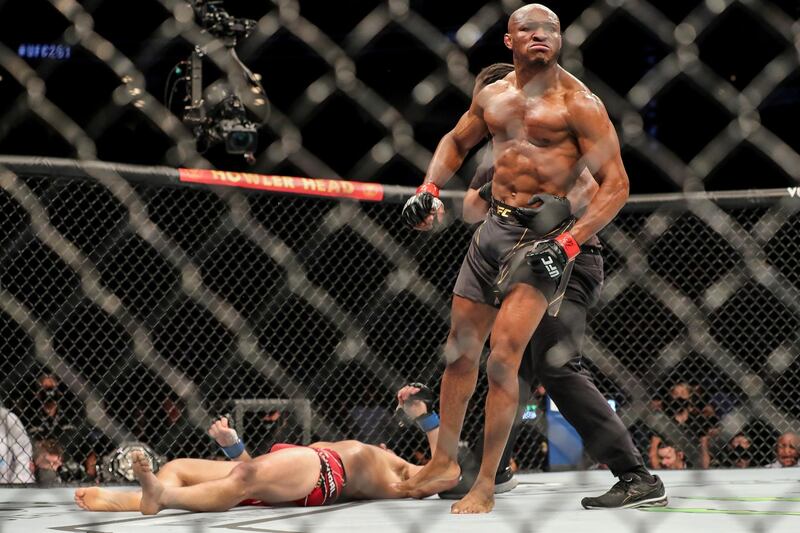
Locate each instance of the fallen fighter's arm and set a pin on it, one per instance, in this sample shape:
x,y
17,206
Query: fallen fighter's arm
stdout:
x,y
233,446
417,410
227,438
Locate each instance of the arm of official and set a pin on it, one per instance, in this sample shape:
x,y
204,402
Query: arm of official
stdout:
x,y
600,151
227,438
581,194
478,196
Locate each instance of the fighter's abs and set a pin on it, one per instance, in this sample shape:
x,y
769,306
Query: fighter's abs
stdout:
x,y
522,169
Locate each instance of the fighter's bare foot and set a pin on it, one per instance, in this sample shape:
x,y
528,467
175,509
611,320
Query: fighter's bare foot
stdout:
x,y
480,499
436,476
97,499
151,486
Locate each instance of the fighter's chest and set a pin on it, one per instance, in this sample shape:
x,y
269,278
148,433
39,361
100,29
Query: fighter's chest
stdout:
x,y
541,121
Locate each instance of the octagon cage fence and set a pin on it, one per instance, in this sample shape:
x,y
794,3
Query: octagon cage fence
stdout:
x,y
138,304
141,299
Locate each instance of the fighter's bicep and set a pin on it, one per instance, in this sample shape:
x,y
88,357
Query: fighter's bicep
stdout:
x,y
596,136
471,127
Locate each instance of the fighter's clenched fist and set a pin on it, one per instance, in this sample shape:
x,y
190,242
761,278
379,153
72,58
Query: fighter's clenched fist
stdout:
x,y
422,208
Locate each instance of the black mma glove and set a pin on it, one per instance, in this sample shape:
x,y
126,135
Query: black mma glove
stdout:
x,y
427,421
425,395
552,212
485,191
423,204
549,258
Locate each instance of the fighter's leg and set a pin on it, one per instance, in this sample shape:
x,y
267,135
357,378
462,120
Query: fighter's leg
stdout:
x,y
98,499
519,315
278,477
176,473
470,325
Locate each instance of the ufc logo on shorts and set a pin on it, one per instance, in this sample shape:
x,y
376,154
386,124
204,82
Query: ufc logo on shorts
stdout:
x,y
548,264
503,211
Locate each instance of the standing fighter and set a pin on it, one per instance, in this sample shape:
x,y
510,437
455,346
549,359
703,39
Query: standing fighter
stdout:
x,y
547,127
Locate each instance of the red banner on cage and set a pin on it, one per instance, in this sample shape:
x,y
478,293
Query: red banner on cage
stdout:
x,y
285,184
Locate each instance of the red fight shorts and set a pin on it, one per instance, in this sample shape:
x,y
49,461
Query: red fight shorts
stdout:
x,y
332,479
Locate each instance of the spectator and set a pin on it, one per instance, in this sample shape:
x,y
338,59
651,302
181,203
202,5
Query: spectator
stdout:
x,y
705,445
739,452
671,457
178,437
693,426
48,458
419,457
16,454
701,402
786,450
51,421
282,426
96,446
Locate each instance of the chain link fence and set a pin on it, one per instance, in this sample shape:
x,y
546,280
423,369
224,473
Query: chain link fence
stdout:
x,y
135,312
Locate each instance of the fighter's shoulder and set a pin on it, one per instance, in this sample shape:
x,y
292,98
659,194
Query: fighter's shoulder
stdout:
x,y
583,105
576,94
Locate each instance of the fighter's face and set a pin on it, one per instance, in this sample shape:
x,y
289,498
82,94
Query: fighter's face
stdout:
x,y
534,37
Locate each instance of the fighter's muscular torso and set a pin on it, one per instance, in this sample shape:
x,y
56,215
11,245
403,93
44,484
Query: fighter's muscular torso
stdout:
x,y
535,146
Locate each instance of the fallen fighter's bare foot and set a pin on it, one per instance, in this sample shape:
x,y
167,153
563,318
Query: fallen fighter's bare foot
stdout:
x,y
97,499
151,486
436,476
480,499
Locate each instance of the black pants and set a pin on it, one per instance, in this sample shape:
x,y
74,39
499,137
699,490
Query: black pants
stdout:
x,y
553,358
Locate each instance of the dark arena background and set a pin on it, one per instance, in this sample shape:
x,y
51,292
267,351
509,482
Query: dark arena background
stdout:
x,y
272,279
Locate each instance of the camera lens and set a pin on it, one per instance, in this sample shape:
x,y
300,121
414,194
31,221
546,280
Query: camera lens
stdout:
x,y
238,142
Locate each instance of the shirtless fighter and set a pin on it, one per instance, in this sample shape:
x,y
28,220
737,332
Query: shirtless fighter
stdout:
x,y
320,474
546,128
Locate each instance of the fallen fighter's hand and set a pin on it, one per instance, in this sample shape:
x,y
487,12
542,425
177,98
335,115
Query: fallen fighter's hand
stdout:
x,y
221,432
415,403
413,407
420,209
549,258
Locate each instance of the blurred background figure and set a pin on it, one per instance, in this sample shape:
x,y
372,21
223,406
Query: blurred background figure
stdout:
x,y
55,418
786,451
48,458
739,453
671,457
176,435
16,454
693,422
48,419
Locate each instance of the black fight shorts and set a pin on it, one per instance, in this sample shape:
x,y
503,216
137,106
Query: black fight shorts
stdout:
x,y
495,261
